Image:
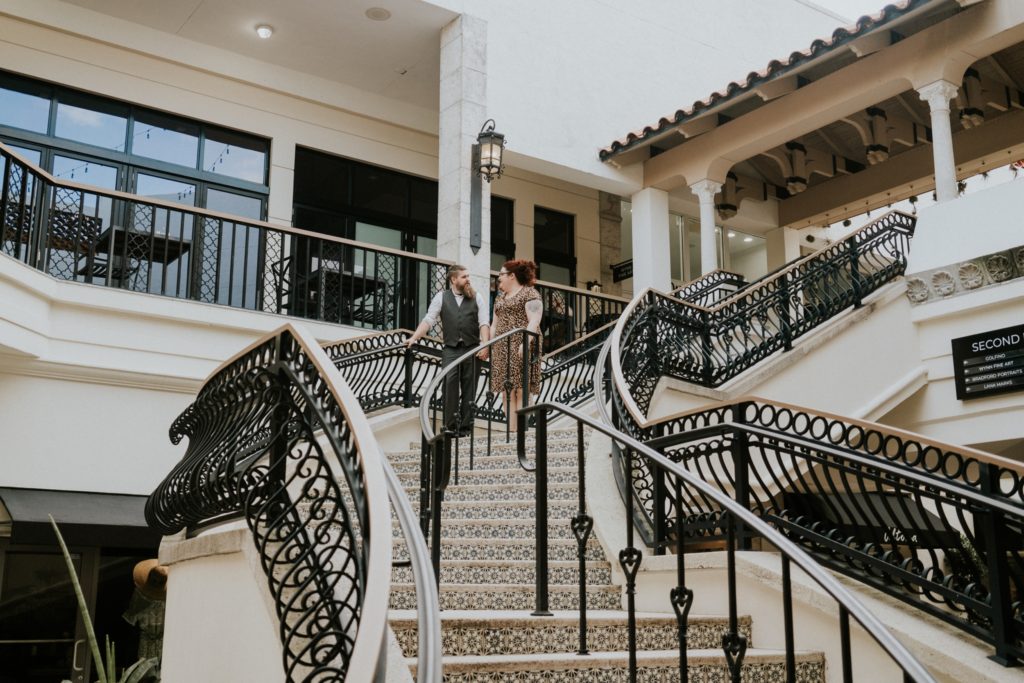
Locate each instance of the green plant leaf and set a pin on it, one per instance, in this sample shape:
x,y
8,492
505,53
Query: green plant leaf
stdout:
x,y
90,633
139,670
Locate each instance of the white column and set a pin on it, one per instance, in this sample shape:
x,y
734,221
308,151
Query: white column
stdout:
x,y
938,95
705,191
652,266
463,110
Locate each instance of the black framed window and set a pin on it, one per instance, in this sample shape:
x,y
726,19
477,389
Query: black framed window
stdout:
x,y
554,245
80,136
503,243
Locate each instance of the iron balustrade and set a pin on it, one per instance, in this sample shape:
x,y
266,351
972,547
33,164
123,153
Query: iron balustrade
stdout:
x,y
738,524
666,336
82,233
571,313
711,288
276,438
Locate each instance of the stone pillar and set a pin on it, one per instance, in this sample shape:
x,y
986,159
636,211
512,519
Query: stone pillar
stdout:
x,y
652,266
463,110
705,191
938,95
610,229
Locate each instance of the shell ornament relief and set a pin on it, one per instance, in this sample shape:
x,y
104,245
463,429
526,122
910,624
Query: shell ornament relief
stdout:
x,y
943,283
999,267
971,275
917,290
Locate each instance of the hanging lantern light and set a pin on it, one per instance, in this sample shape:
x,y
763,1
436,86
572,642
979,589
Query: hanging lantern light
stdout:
x,y
491,146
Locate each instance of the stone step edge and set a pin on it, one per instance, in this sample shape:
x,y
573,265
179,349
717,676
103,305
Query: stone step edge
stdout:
x,y
528,564
530,543
503,587
465,471
546,661
407,618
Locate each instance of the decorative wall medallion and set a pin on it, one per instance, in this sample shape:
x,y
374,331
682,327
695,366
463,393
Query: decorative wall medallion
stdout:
x,y
971,275
999,267
917,290
943,283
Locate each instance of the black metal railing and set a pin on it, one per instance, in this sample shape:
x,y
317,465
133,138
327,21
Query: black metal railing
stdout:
x,y
277,439
940,527
738,525
571,313
663,336
711,288
87,234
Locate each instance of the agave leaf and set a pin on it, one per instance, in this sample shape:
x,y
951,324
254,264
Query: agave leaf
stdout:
x,y
90,633
139,670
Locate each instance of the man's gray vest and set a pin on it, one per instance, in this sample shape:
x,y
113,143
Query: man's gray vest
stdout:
x,y
459,323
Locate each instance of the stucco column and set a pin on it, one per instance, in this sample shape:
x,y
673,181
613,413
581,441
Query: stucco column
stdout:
x,y
938,95
463,109
705,191
652,266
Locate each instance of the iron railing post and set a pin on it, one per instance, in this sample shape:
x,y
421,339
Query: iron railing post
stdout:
x,y
785,324
426,469
733,643
407,360
741,467
582,525
660,495
994,533
541,514
442,463
855,283
706,371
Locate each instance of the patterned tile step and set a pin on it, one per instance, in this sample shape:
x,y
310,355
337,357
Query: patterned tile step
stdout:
x,y
502,477
660,666
560,447
493,528
489,462
556,492
505,571
511,509
465,632
508,597
498,435
505,549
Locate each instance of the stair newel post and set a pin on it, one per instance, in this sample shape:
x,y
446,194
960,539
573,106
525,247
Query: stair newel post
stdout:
x,y
741,465
425,488
733,643
855,283
681,596
490,417
706,370
472,422
844,642
660,496
442,467
785,324
629,560
407,360
541,513
582,524
524,396
787,616
993,532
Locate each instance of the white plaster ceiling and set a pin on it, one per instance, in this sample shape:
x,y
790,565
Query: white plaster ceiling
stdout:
x,y
332,39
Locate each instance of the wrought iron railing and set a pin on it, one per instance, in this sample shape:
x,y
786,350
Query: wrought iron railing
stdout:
x,y
737,524
663,336
571,313
87,234
940,527
711,288
277,439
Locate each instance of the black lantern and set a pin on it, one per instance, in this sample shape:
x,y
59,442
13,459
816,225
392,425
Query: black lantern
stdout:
x,y
490,146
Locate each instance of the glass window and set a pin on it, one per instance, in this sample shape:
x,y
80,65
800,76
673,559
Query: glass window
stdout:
x,y
748,255
92,126
379,190
91,173
24,110
168,140
236,155
423,204
236,204
554,246
32,155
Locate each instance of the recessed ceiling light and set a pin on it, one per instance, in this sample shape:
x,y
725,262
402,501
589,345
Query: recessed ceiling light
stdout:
x,y
732,234
264,31
378,14
748,239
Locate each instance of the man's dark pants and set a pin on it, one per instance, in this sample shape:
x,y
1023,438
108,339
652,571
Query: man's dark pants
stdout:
x,y
459,389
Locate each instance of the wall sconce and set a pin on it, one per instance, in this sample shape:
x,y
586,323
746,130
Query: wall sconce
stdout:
x,y
488,151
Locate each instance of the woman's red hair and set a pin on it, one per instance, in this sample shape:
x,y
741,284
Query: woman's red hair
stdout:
x,y
524,271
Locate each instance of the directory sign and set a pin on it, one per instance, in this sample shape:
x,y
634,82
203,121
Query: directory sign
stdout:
x,y
989,363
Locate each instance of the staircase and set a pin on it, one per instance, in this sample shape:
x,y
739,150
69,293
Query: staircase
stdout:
x,y
487,588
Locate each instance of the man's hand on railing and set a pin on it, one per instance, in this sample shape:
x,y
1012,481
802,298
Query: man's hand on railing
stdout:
x,y
484,354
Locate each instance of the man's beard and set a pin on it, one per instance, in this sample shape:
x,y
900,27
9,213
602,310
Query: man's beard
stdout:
x,y
468,291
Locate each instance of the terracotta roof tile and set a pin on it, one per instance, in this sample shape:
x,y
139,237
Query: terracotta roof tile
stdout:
x,y
775,69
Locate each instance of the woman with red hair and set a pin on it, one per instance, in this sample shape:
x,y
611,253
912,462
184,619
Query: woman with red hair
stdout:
x,y
518,305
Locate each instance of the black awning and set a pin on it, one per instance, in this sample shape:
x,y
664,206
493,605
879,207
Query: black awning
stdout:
x,y
92,519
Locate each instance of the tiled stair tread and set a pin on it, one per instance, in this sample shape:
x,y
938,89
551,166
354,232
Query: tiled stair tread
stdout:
x,y
496,587
479,472
481,436
594,660
552,564
492,461
557,491
499,449
508,548
407,618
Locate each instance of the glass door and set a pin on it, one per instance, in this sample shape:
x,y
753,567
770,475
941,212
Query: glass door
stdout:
x,y
42,638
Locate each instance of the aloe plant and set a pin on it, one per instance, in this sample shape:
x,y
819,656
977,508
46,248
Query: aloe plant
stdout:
x,y
105,667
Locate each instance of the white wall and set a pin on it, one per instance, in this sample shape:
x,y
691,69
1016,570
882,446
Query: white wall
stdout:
x,y
567,78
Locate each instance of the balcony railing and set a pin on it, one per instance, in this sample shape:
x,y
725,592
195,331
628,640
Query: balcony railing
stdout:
x,y
87,234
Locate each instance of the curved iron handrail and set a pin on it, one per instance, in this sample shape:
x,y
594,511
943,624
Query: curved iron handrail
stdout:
x,y
711,288
258,436
733,514
711,345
